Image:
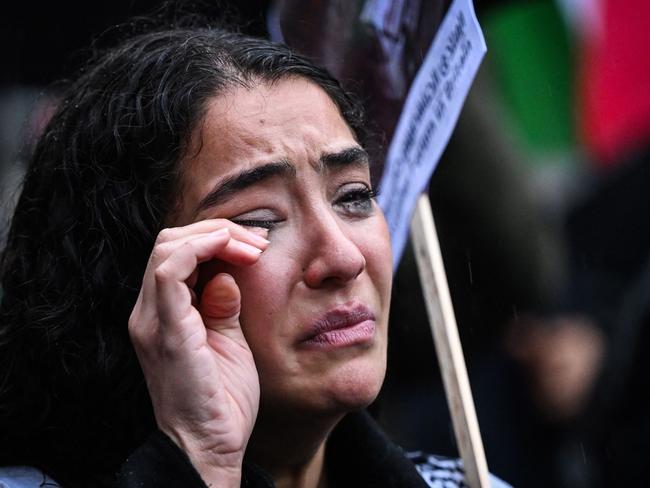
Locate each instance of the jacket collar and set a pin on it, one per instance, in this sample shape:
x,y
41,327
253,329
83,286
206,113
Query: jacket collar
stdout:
x,y
358,454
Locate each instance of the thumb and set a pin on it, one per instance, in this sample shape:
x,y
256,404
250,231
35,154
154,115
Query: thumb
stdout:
x,y
220,303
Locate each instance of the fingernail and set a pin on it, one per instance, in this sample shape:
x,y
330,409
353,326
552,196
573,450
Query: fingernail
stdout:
x,y
247,248
261,233
221,232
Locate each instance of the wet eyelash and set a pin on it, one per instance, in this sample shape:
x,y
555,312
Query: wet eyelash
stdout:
x,y
358,194
265,224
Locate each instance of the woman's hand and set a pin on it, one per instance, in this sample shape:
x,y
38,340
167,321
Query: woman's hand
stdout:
x,y
199,369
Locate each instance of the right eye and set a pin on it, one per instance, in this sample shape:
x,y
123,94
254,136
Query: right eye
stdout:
x,y
264,218
265,224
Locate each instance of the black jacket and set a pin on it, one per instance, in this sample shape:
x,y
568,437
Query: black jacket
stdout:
x,y
358,455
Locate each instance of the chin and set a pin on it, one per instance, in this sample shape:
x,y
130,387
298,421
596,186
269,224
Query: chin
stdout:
x,y
355,386
333,387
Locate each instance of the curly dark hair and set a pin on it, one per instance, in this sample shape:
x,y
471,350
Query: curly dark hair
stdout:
x,y
102,178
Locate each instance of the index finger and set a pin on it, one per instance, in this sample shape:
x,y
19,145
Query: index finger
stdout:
x,y
255,237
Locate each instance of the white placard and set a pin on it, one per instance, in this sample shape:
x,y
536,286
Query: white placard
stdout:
x,y
429,116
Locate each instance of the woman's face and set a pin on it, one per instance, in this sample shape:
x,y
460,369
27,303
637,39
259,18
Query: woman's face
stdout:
x,y
315,305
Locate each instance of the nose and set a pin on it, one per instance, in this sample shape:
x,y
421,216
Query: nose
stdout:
x,y
333,258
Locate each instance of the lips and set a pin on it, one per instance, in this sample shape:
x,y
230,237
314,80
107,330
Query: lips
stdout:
x,y
342,326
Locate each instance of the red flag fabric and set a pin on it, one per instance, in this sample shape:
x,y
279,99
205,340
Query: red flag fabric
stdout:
x,y
615,91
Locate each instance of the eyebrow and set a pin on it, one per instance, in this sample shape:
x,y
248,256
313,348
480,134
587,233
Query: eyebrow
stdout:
x,y
350,156
250,177
244,179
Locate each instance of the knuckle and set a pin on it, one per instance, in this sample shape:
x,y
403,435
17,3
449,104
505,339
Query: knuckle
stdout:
x,y
160,251
162,274
132,327
135,332
166,235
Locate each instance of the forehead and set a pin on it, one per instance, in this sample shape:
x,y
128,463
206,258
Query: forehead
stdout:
x,y
290,115
290,120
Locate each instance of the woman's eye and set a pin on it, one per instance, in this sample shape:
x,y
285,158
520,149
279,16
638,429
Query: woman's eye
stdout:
x,y
265,224
357,201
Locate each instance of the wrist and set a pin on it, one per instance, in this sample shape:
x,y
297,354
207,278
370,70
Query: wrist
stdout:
x,y
217,468
218,476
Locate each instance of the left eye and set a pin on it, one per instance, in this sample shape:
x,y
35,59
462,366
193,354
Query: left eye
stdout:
x,y
356,201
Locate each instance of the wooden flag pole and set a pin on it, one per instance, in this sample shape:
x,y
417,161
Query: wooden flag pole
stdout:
x,y
447,343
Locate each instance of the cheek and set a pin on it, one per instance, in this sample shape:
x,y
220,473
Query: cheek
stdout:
x,y
264,286
264,289
379,260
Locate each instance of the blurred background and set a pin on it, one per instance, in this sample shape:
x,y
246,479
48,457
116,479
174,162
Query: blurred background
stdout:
x,y
542,202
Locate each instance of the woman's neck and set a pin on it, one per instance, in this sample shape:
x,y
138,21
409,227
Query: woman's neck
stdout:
x,y
308,475
292,452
